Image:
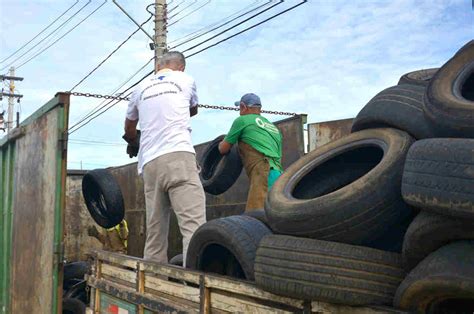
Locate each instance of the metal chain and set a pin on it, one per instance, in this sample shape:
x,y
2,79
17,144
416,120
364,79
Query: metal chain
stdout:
x,y
99,96
216,107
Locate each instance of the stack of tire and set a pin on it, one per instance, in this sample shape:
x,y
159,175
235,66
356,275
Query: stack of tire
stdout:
x,y
339,224
75,292
342,216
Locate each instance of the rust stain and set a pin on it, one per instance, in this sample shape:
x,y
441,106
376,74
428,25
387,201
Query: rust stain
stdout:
x,y
324,132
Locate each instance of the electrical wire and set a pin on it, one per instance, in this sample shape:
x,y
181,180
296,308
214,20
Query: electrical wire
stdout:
x,y
223,24
41,32
74,27
47,36
87,163
177,13
234,26
148,6
205,28
110,54
193,11
101,141
175,7
79,142
247,29
101,106
97,114
72,129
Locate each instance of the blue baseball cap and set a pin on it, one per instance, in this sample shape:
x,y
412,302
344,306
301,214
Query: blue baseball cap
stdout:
x,y
250,100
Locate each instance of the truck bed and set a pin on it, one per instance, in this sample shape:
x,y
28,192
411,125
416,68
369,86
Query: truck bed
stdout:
x,y
124,284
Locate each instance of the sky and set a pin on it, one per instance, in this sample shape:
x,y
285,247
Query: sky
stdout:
x,y
326,59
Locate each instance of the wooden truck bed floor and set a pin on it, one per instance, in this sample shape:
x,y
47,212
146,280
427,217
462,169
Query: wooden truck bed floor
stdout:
x,y
124,284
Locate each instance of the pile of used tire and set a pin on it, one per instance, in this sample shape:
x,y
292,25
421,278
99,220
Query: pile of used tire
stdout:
x,y
382,216
75,291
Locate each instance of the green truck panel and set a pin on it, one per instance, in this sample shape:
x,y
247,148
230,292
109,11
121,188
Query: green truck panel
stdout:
x,y
32,180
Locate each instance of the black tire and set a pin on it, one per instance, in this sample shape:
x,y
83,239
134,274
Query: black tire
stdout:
x,y
449,99
327,271
399,107
419,77
345,191
77,291
226,246
446,275
103,197
177,260
258,214
392,239
218,172
75,270
439,176
428,232
73,306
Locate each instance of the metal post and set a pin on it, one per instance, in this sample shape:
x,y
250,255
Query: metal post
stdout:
x,y
160,30
11,97
11,101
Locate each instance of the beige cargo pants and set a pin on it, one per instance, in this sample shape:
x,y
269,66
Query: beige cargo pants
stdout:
x,y
172,182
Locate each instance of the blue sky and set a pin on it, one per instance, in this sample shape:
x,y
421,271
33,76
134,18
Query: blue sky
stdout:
x,y
325,58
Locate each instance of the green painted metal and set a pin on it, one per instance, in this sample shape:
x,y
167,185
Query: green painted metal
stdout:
x,y
8,164
3,226
109,304
53,103
58,211
6,187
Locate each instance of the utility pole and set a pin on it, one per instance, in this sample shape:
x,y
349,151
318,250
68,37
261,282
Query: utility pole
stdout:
x,y
11,96
159,40
160,30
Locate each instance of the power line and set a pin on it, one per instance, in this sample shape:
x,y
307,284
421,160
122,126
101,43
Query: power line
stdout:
x,y
223,24
87,163
175,7
99,107
177,13
47,36
234,26
95,143
101,141
193,11
104,106
110,55
74,27
41,32
247,29
97,113
213,24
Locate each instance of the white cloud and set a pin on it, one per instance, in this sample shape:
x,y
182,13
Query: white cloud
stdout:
x,y
326,58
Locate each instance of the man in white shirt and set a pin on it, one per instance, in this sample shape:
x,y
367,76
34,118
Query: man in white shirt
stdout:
x,y
164,104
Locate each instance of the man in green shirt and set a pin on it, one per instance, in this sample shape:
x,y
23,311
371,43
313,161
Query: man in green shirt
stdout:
x,y
259,146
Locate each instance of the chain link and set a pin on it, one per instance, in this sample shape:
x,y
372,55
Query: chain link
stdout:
x,y
100,96
216,107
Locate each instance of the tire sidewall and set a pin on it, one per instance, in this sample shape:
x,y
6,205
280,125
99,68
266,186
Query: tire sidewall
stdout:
x,y
281,205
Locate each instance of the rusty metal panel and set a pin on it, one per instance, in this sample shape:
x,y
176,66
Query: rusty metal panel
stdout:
x,y
232,202
77,243
322,133
134,198
36,202
229,203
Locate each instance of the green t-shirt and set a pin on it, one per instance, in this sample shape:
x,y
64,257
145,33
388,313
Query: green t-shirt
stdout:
x,y
259,133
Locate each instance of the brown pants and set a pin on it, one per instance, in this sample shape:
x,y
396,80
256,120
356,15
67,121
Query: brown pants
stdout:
x,y
114,242
172,181
257,168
